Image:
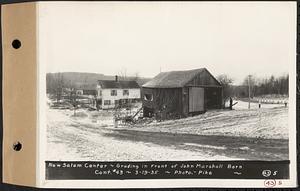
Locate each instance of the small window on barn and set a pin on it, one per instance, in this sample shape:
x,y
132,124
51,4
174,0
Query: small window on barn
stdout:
x,y
125,92
113,92
148,97
106,102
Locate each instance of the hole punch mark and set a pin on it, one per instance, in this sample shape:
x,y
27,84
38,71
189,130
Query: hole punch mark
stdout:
x,y
16,44
17,146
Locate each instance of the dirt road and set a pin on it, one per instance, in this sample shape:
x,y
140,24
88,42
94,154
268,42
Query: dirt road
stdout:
x,y
78,141
228,146
78,138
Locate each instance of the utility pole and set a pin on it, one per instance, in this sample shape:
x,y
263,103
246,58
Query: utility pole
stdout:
x,y
249,76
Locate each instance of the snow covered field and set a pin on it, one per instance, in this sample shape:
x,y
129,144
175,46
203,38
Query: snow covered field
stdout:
x,y
255,123
255,134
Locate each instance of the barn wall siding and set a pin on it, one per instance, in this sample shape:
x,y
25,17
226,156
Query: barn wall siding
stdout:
x,y
185,101
166,101
213,97
148,104
203,79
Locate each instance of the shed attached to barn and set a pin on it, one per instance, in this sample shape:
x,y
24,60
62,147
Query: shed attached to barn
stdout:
x,y
179,94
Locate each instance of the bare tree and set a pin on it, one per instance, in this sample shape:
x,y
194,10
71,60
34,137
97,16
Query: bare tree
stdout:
x,y
226,83
272,85
123,74
58,84
136,77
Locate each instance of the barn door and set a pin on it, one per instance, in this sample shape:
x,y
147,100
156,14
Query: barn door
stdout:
x,y
196,99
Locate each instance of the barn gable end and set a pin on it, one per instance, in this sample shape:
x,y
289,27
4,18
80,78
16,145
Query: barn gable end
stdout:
x,y
204,78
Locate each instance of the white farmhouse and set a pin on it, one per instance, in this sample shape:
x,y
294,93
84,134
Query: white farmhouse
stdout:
x,y
112,92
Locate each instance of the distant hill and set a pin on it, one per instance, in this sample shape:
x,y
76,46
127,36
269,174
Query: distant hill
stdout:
x,y
69,79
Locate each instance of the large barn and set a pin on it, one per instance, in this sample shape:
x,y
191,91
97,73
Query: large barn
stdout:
x,y
179,94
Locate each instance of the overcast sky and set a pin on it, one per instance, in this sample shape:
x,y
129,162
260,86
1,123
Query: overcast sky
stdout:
x,y
237,38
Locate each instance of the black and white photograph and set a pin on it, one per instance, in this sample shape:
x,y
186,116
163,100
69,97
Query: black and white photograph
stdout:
x,y
168,81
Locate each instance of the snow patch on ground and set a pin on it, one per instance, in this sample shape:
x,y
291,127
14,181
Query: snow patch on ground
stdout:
x,y
266,123
89,135
206,146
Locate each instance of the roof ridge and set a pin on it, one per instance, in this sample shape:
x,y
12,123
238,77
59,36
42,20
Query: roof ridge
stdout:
x,y
173,79
118,84
184,70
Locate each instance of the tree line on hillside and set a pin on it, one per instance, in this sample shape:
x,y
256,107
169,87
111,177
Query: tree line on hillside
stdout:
x,y
258,86
56,81
54,84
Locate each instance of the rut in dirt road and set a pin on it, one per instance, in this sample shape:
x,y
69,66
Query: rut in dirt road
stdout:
x,y
239,147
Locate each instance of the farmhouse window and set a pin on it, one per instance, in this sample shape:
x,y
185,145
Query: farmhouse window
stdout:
x,y
125,92
106,102
148,97
113,92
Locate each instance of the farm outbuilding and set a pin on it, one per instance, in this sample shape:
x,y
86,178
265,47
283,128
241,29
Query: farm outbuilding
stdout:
x,y
179,94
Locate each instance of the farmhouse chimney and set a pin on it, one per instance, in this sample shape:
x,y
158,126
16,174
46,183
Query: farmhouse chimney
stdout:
x,y
116,78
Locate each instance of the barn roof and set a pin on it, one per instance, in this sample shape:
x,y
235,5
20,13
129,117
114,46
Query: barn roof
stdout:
x,y
175,79
109,84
